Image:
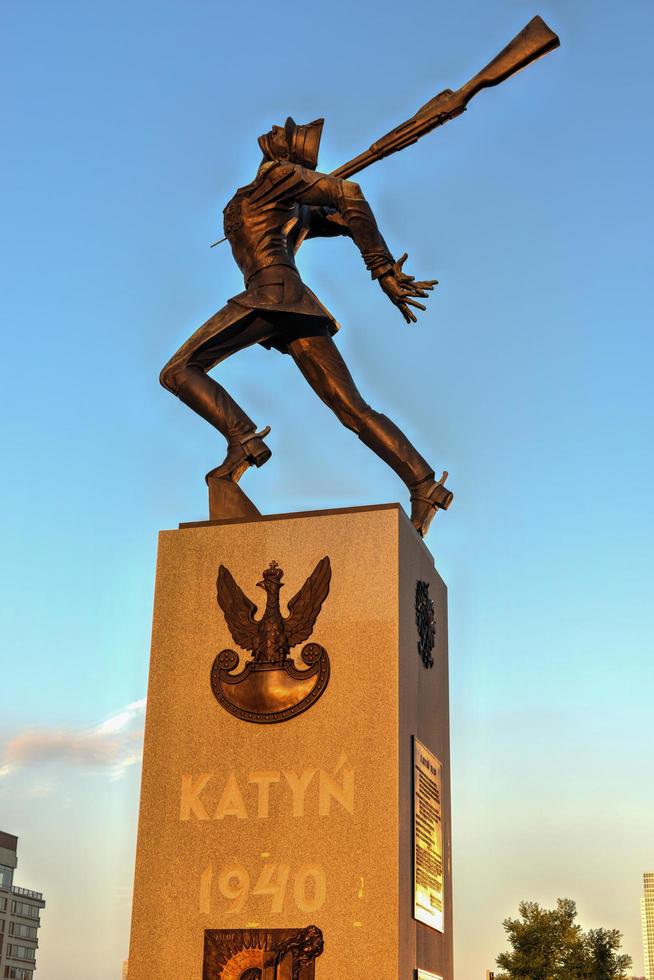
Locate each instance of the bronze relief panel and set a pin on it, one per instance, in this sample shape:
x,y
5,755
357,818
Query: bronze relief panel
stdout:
x,y
261,954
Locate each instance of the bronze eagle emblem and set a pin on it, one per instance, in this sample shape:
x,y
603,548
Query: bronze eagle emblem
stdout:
x,y
271,637
270,687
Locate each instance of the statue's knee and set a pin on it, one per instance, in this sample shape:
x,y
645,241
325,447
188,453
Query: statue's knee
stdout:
x,y
353,415
171,377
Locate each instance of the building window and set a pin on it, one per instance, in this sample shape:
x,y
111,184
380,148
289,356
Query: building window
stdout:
x,y
3,904
20,952
22,931
22,908
17,973
6,876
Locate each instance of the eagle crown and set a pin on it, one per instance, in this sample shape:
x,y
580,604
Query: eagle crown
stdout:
x,y
272,578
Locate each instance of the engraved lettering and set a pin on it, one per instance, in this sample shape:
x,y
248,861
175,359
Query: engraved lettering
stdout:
x,y
234,884
242,795
189,801
234,881
266,886
299,786
263,780
342,792
206,879
310,888
231,803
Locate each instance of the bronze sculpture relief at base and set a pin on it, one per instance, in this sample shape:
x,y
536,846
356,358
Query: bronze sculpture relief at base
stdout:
x,y
261,954
265,223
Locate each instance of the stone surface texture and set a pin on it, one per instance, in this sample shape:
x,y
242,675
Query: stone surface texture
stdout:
x,y
246,826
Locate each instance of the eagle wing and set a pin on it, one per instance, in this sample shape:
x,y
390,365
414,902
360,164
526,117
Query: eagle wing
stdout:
x,y
238,609
306,604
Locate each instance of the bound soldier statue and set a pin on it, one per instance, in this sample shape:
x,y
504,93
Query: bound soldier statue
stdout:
x,y
264,222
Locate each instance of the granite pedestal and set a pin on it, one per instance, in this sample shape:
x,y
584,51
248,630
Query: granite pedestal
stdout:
x,y
251,832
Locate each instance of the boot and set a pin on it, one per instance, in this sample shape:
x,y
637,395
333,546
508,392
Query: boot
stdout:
x,y
245,446
390,444
242,452
427,497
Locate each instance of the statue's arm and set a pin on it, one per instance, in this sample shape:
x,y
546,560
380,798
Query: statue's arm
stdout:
x,y
312,190
345,198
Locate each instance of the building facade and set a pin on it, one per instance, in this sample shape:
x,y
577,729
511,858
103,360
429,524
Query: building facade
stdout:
x,y
647,918
20,917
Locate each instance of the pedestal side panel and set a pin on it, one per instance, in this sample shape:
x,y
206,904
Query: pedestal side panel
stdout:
x,y
424,714
272,826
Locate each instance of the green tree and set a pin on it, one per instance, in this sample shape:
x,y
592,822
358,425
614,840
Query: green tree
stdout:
x,y
548,944
606,962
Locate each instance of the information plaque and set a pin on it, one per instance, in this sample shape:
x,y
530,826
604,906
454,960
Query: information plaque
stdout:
x,y
428,884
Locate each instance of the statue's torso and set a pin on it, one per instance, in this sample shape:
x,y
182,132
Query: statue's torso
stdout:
x,y
258,225
261,223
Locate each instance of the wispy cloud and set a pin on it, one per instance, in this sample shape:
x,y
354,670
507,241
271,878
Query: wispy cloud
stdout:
x,y
111,746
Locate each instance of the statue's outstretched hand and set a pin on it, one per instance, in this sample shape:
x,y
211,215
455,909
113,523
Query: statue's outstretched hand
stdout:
x,y
399,287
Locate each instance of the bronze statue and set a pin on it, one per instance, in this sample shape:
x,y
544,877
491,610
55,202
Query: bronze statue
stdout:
x,y
265,223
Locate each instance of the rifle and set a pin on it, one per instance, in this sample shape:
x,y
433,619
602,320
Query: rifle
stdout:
x,y
533,41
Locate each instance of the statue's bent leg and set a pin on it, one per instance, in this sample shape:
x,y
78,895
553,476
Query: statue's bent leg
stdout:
x,y
321,364
186,376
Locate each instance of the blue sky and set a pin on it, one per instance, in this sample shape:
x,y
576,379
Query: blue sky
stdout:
x,y
529,379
